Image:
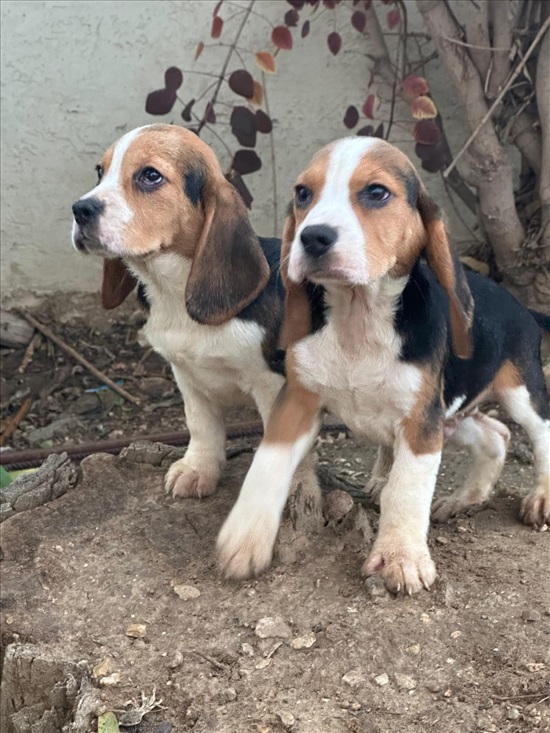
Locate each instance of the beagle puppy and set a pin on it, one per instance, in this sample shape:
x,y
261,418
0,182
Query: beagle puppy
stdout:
x,y
163,215
401,350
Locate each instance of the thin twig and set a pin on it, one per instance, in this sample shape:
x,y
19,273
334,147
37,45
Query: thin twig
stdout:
x,y
500,97
79,358
473,45
273,165
13,424
213,662
29,352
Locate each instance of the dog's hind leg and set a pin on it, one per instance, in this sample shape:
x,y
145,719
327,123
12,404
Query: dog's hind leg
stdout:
x,y
486,439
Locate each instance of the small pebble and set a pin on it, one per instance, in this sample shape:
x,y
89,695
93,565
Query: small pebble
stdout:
x,y
337,505
513,714
304,642
531,615
355,706
186,592
456,634
353,678
413,649
272,627
247,649
375,587
287,719
534,666
110,681
136,631
442,540
382,679
102,668
404,682
229,695
177,660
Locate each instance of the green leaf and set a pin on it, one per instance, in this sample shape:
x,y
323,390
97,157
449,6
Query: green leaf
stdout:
x,y
5,478
107,723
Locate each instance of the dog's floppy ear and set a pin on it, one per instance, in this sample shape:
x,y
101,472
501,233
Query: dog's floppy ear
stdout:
x,y
118,283
450,273
229,267
297,319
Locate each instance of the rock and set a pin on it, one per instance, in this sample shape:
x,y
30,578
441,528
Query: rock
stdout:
x,y
442,540
156,387
177,660
531,615
304,642
247,649
404,682
382,680
110,681
355,706
375,587
272,627
287,720
6,511
62,427
534,666
337,505
456,634
186,592
136,631
354,678
413,649
229,695
102,668
15,331
513,714
152,454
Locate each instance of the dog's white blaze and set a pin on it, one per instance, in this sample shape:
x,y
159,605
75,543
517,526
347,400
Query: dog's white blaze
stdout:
x,y
334,209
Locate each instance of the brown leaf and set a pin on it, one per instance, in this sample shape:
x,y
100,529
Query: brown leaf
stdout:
x,y
334,42
427,132
173,78
236,180
242,83
258,97
160,102
368,107
200,49
351,118
394,18
432,157
217,8
423,108
186,111
266,62
282,38
367,131
379,132
263,122
297,4
305,29
217,27
243,126
246,161
291,18
210,114
415,86
359,21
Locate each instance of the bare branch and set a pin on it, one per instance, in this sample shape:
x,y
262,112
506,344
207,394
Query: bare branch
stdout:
x,y
502,41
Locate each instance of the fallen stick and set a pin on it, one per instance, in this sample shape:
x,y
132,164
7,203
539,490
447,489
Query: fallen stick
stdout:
x,y
13,424
78,357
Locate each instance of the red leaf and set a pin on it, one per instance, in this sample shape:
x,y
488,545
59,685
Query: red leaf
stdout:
x,y
217,8
200,49
263,122
210,114
330,4
242,83
282,38
334,41
297,4
292,18
368,107
236,180
266,62
366,131
432,157
173,78
246,161
427,132
415,86
423,108
379,132
305,29
359,21
160,102
217,26
351,118
243,126
186,111
394,18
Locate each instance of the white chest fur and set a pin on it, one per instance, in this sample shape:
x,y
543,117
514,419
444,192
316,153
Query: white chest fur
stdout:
x,y
353,363
222,360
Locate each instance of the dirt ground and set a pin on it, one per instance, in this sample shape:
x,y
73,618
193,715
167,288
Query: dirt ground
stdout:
x,y
471,655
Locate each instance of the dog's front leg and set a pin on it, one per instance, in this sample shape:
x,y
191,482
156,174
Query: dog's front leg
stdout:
x,y
400,553
246,540
197,473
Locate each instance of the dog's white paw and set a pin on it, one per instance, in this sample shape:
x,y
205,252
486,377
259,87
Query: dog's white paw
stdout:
x,y
246,540
404,567
183,480
535,508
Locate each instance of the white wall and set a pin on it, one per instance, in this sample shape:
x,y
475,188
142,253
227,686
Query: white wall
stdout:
x,y
75,76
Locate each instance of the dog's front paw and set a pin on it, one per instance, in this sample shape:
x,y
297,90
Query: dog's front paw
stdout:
x,y
374,487
246,540
404,567
187,481
535,508
449,506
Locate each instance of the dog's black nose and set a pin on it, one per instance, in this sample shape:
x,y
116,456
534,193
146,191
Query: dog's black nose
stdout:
x,y
86,210
318,239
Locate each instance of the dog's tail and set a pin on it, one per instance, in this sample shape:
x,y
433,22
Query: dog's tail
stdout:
x,y
542,319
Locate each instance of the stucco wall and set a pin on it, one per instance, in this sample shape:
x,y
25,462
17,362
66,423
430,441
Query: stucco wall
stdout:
x,y
75,76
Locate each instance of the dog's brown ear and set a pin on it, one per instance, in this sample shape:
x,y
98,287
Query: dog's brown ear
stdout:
x,y
118,283
229,267
450,273
297,321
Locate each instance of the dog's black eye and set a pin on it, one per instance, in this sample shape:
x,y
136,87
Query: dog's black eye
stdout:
x,y
99,169
149,178
374,195
302,196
